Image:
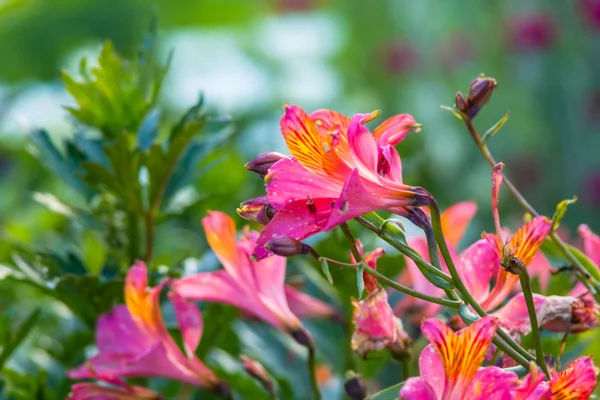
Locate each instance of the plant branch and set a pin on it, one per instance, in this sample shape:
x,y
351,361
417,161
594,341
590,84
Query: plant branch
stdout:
x,y
312,372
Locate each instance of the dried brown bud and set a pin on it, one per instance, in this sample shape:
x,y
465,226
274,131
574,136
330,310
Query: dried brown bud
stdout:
x,y
480,93
286,246
263,162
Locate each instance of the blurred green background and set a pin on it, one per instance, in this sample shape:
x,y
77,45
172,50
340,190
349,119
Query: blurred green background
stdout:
x,y
250,57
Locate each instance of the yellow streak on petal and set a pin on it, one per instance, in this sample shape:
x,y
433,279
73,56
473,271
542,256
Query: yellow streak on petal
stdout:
x,y
302,138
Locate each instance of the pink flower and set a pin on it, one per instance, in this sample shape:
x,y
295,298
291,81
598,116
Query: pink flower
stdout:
x,y
132,339
576,382
375,325
256,287
338,171
590,10
532,32
481,262
450,365
454,224
117,391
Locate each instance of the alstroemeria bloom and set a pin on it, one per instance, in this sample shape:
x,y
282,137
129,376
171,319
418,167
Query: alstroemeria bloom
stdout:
x,y
256,287
118,391
454,220
576,382
450,365
133,341
338,170
481,262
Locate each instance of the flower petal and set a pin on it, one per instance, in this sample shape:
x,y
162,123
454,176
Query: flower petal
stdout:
x,y
478,264
417,389
492,383
394,129
190,322
306,306
328,121
144,305
455,220
432,371
576,382
529,238
302,138
591,243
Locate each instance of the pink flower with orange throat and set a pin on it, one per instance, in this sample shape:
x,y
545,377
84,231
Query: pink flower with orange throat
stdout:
x,y
338,171
133,341
257,287
576,382
450,365
454,224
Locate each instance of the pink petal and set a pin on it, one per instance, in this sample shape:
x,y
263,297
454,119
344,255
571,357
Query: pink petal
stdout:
x,y
374,323
577,381
541,268
432,370
269,274
591,244
393,130
477,265
455,220
116,332
288,180
534,387
295,220
328,121
306,306
190,322
417,389
389,164
219,287
363,146
492,383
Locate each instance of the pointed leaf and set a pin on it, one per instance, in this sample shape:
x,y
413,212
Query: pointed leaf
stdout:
x,y
494,129
360,282
561,209
326,272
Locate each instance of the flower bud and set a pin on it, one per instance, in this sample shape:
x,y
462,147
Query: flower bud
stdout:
x,y
480,93
303,337
257,209
263,162
286,246
461,102
255,369
355,387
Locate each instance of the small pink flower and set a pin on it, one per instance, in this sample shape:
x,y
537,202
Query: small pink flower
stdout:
x,y
117,391
132,339
532,32
590,10
256,287
576,382
450,365
454,224
338,171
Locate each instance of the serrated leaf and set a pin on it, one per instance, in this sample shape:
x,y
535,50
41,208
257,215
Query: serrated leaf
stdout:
x,y
496,127
390,393
561,209
326,272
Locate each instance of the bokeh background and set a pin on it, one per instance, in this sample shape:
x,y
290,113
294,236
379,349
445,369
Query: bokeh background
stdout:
x,y
250,57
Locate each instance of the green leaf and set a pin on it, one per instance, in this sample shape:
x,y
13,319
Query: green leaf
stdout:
x,y
232,371
94,251
561,209
496,127
557,258
326,272
394,229
360,281
21,331
390,393
148,130
454,111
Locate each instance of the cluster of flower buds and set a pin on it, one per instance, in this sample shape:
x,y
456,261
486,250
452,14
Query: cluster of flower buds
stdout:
x,y
480,93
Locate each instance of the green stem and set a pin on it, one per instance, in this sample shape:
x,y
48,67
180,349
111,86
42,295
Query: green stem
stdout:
x,y
508,345
312,372
404,249
434,256
134,237
521,270
581,272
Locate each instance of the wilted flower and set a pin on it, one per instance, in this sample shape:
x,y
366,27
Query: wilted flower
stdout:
x,y
256,287
450,365
338,171
133,340
454,224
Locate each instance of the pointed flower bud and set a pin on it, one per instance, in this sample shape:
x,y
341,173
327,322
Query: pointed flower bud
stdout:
x,y
480,93
286,246
263,162
257,209
461,103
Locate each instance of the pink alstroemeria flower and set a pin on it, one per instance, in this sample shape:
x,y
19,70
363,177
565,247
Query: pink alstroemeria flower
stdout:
x,y
481,262
133,341
256,287
118,391
338,170
376,327
454,220
450,365
576,382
